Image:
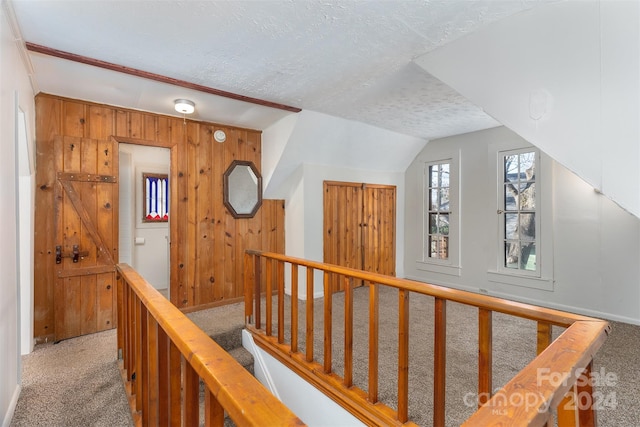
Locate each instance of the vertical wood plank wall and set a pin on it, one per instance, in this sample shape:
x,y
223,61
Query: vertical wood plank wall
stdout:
x,y
207,243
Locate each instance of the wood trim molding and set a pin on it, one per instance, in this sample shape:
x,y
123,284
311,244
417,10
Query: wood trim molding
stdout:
x,y
32,47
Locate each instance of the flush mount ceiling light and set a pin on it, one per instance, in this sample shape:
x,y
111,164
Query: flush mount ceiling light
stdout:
x,y
184,106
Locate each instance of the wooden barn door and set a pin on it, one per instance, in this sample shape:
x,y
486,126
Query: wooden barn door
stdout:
x,y
359,227
86,235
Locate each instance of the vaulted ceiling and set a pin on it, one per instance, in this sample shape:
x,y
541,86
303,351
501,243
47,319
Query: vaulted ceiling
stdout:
x,y
349,59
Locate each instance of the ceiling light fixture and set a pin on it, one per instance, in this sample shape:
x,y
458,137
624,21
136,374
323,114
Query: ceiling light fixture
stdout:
x,y
184,106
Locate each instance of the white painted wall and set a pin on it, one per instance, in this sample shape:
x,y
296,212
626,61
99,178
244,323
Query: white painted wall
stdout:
x,y
594,244
564,76
15,92
150,257
320,139
26,201
310,148
296,393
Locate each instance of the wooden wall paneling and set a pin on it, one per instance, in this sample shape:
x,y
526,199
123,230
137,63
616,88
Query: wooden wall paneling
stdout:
x,y
230,145
204,214
88,294
136,122
108,202
179,206
106,316
101,123
219,218
49,118
242,227
73,117
227,238
121,123
192,242
253,233
149,127
163,131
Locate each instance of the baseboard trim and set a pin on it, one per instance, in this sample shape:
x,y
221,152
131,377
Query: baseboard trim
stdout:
x,y
548,304
12,407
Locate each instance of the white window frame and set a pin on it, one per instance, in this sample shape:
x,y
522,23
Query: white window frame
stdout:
x,y
451,265
542,277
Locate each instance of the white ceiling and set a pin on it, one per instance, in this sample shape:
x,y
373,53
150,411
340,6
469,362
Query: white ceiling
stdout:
x,y
350,59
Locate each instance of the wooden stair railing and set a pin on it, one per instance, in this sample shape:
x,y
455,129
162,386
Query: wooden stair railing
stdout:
x,y
565,363
164,355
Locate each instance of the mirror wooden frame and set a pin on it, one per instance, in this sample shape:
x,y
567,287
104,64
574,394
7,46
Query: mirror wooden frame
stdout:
x,y
228,196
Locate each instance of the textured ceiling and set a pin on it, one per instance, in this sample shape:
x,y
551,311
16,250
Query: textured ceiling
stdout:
x,y
350,59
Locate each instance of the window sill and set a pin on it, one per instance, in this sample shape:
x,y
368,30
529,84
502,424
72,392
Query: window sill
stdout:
x,y
542,283
451,270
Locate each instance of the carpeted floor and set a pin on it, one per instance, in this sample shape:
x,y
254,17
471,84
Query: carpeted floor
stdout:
x,y
73,383
77,382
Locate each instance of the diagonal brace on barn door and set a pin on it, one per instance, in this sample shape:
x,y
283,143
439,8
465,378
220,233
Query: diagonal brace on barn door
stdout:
x,y
85,217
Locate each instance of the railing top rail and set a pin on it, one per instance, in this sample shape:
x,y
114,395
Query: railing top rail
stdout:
x,y
242,396
487,302
543,383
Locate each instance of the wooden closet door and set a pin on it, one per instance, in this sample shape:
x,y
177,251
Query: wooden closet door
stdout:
x,y
359,228
85,235
342,227
378,236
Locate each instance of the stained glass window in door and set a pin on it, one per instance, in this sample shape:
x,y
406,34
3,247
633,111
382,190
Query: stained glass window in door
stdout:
x,y
156,197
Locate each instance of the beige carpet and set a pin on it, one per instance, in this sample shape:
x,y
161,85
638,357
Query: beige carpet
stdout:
x,y
73,383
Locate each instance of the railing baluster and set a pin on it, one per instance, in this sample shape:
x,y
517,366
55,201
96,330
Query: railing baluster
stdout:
x,y
257,290
485,355
213,411
543,340
584,387
294,308
403,355
152,369
328,296
440,362
248,280
138,354
143,375
269,291
280,283
309,307
175,385
373,341
163,377
191,397
544,336
348,332
120,313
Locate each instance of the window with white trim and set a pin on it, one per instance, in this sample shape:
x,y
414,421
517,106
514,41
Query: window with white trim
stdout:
x,y
519,212
441,223
438,210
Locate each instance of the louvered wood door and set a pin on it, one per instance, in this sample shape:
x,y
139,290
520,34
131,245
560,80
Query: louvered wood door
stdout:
x,y
359,228
86,236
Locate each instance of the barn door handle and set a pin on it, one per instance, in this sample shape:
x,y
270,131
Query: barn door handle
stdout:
x,y
76,253
58,254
